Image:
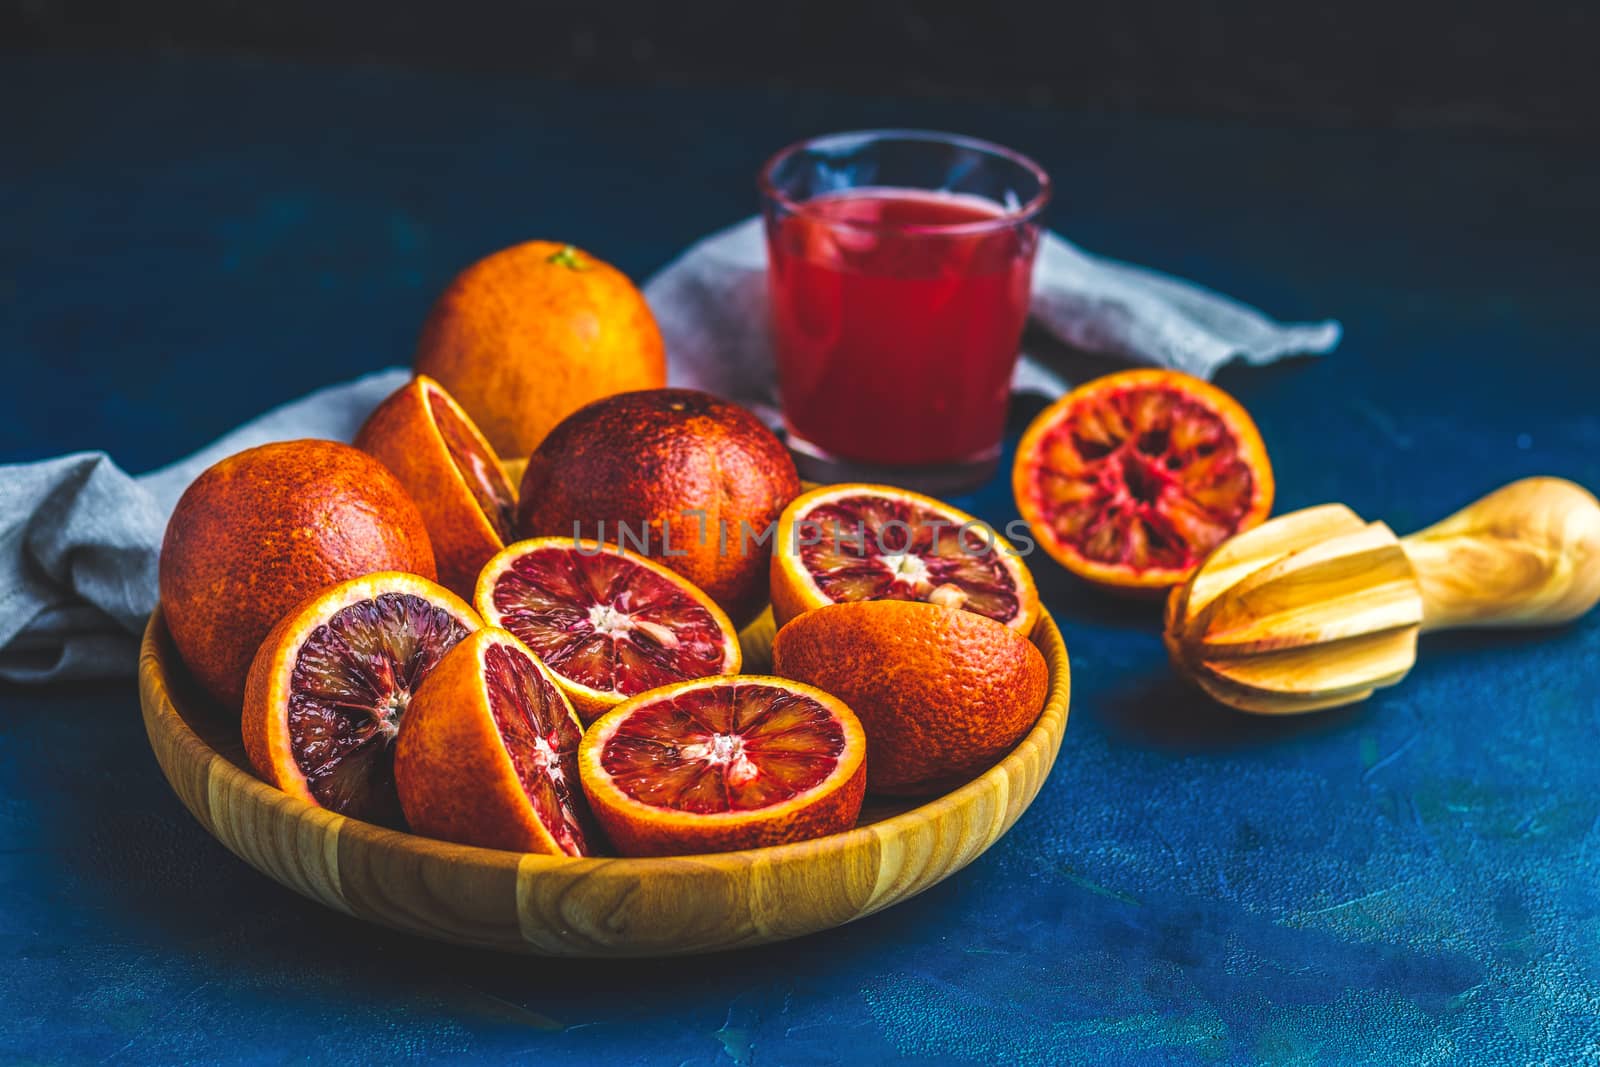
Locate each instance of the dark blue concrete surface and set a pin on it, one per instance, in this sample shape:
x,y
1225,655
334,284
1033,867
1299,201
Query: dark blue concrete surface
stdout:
x,y
1414,880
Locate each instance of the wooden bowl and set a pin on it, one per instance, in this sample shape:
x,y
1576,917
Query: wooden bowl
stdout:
x,y
559,906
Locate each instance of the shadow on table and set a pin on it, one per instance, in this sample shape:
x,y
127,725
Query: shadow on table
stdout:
x,y
1163,710
1168,712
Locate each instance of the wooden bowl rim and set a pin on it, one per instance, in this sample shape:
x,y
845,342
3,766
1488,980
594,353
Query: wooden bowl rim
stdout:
x,y
1047,732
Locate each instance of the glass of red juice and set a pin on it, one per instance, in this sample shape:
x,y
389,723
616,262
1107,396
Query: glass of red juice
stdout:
x,y
899,270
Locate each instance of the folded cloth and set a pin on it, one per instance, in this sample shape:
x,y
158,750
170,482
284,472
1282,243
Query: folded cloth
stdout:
x,y
711,303
79,537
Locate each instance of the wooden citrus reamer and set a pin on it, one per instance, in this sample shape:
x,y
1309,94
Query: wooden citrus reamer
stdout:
x,y
1317,608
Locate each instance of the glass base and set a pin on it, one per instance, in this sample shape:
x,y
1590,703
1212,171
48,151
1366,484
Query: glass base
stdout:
x,y
939,479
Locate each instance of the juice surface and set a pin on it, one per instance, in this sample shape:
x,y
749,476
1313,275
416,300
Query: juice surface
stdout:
x,y
896,339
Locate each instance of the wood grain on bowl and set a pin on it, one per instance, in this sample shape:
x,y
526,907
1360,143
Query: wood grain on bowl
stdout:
x,y
559,906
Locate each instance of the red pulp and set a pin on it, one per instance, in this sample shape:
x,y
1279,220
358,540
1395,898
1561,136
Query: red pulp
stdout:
x,y
483,474
542,741
352,680
605,622
734,747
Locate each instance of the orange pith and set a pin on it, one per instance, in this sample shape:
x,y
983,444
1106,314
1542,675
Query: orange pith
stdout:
x,y
941,693
430,445
1132,479
845,543
724,763
608,622
331,683
488,753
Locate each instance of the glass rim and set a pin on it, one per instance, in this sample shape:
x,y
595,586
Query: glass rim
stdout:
x,y
1008,217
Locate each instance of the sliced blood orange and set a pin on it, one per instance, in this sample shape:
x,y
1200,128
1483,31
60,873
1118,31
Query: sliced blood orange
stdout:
x,y
330,684
609,622
432,447
724,763
1132,479
491,488
488,752
845,543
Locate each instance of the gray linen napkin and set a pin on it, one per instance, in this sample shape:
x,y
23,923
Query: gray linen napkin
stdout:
x,y
79,537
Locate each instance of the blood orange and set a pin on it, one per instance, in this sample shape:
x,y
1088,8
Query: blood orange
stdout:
x,y
942,694
432,447
1131,479
488,752
845,543
690,480
609,622
526,336
263,529
330,684
724,763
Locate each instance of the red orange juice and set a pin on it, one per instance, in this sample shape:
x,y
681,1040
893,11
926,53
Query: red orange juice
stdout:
x,y
896,315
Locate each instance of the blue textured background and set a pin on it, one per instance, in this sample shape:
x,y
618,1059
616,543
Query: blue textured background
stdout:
x,y
1413,880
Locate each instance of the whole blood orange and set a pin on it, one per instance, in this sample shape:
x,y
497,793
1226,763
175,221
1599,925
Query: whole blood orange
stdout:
x,y
941,693
330,684
528,335
721,764
876,542
263,529
683,477
608,622
1132,479
432,447
488,752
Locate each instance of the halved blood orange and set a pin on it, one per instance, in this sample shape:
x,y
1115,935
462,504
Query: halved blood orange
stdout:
x,y
846,543
468,504
488,752
331,682
724,763
610,623
1132,479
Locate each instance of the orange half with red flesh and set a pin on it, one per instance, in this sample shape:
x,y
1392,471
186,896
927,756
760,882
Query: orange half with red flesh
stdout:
x,y
430,444
608,622
1131,480
488,753
856,542
719,764
333,680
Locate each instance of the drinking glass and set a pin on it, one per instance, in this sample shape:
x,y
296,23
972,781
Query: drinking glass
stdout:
x,y
899,267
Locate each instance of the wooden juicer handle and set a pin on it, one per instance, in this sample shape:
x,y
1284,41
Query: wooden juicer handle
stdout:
x,y
1528,554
